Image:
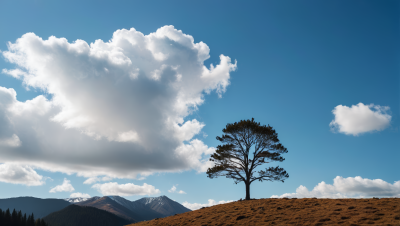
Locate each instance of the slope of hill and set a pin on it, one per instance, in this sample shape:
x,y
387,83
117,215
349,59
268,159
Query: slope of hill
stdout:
x,y
385,211
39,207
84,216
163,205
107,204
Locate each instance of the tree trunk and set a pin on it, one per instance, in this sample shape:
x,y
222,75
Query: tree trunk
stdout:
x,y
247,191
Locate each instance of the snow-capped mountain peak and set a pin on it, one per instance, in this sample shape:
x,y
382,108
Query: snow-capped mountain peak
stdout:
x,y
75,200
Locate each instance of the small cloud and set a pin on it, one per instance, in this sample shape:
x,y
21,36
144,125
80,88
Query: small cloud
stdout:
x,y
211,202
20,174
351,187
173,190
79,195
360,118
13,141
64,187
129,189
93,180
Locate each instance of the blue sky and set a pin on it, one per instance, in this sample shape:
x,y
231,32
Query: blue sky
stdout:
x,y
300,66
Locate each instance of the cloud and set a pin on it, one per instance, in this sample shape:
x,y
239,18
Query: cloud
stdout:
x,y
20,174
93,180
351,187
64,187
173,190
129,189
13,141
117,108
79,195
211,202
360,118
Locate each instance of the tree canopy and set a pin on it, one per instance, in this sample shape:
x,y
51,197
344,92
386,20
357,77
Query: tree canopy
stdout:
x,y
235,160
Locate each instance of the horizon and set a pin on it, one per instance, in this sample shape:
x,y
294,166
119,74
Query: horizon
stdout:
x,y
127,98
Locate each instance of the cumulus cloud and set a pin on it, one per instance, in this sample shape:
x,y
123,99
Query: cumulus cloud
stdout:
x,y
79,195
211,202
351,187
20,174
129,189
360,118
173,190
64,187
117,108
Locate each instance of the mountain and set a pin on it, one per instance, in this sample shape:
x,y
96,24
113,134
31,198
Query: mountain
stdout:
x,y
141,210
144,213
107,204
163,205
74,200
84,216
39,207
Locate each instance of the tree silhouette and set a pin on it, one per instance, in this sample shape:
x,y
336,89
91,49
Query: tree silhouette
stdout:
x,y
7,217
16,219
234,160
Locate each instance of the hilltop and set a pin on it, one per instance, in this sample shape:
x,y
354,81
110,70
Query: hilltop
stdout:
x,y
307,211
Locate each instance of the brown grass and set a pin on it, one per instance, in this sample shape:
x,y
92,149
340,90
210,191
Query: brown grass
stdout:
x,y
309,211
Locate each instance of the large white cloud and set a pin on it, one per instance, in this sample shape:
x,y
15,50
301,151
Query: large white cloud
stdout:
x,y
117,108
360,118
129,189
64,187
20,174
211,202
351,187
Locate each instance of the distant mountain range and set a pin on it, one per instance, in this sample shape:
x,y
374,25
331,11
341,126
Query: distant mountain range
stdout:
x,y
139,210
125,211
39,207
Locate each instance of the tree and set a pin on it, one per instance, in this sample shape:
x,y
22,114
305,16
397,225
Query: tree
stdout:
x,y
7,217
24,220
14,218
234,160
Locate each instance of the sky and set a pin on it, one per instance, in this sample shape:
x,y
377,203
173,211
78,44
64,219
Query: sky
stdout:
x,y
127,97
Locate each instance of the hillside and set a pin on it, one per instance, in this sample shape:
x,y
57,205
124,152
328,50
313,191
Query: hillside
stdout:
x,y
385,211
84,216
39,207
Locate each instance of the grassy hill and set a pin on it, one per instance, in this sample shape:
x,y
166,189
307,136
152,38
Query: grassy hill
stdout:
x,y
84,216
385,211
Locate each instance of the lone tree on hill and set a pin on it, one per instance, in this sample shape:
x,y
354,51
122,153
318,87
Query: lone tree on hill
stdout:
x,y
234,160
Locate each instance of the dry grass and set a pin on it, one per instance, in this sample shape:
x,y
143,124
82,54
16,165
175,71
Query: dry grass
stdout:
x,y
310,211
